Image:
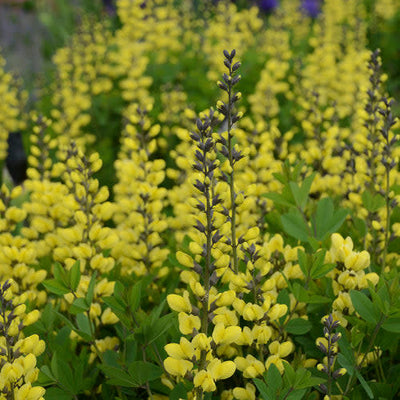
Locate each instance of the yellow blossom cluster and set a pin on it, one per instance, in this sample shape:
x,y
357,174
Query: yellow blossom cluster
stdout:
x,y
139,197
83,72
11,107
351,272
18,353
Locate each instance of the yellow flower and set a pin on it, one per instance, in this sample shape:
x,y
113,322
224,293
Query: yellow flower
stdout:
x,y
202,342
357,261
250,366
188,322
221,370
27,392
247,393
204,380
228,335
252,312
108,317
277,311
177,367
281,349
180,303
184,259
180,351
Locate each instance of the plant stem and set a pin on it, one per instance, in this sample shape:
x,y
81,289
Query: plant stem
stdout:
x,y
387,228
232,179
382,319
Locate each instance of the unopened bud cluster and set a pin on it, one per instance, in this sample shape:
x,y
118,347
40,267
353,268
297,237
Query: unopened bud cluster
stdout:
x,y
329,346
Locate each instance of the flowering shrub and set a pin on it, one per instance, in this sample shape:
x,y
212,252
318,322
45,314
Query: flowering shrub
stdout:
x,y
245,245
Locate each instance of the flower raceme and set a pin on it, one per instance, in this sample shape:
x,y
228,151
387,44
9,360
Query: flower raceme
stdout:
x,y
18,369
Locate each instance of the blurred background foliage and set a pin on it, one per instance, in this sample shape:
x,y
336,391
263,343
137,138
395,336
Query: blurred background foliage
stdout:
x,y
41,27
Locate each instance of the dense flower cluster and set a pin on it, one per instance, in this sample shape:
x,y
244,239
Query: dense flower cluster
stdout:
x,y
11,107
18,353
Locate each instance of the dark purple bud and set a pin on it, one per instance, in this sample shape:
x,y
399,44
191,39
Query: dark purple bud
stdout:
x,y
200,205
197,268
199,156
222,86
323,388
226,78
214,278
225,152
199,124
199,185
267,5
236,66
195,136
321,346
236,79
216,237
338,373
311,7
208,145
198,167
199,226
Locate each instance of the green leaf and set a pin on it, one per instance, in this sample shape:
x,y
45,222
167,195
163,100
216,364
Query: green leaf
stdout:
x,y
315,381
55,287
345,347
90,292
298,326
55,393
142,372
65,378
279,199
290,374
300,293
119,290
78,306
345,363
283,298
159,327
75,275
320,272
372,202
114,304
83,324
364,384
380,296
45,376
59,273
300,194
323,214
65,319
178,392
364,306
117,376
134,296
303,261
297,394
54,366
326,220
294,225
392,325
274,378
262,388
318,260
